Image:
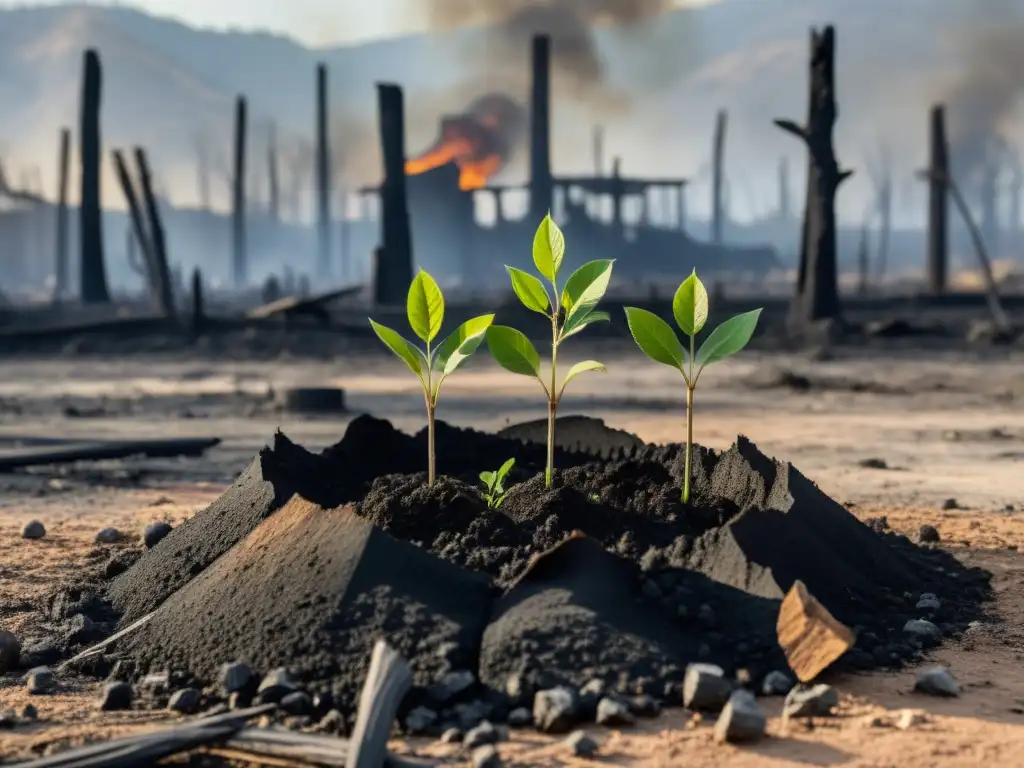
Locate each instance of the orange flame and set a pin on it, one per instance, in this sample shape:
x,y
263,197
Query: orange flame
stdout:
x,y
466,142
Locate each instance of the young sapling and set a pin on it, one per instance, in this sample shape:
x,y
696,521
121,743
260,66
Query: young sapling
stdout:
x,y
425,312
570,311
494,484
659,342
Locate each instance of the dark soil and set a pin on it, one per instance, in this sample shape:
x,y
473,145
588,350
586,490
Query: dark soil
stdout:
x,y
655,584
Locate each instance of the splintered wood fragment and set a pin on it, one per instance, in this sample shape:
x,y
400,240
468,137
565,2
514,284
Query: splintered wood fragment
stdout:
x,y
387,682
328,751
809,635
99,647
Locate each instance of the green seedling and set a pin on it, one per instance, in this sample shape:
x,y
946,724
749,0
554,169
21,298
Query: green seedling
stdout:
x,y
494,484
570,312
425,311
659,342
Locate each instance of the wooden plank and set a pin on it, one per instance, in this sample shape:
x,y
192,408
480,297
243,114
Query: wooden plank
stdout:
x,y
104,450
387,682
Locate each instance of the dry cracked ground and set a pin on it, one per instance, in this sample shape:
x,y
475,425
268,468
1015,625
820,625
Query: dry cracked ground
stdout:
x,y
896,435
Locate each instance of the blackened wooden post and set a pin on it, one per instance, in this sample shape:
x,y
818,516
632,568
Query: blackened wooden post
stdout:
x,y
863,262
817,290
323,175
147,267
541,184
61,257
198,304
157,239
718,179
239,271
93,272
394,261
938,203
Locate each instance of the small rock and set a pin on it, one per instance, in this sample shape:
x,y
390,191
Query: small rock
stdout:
x,y
419,720
276,685
451,736
109,536
29,712
486,756
644,705
587,698
950,504
40,681
741,719
776,684
239,700
706,616
298,704
908,718
811,701
33,530
10,651
928,602
333,722
485,733
39,654
234,676
937,681
922,629
451,685
154,532
873,463
81,630
929,534
469,714
809,635
581,744
612,713
520,717
705,688
554,710
116,696
186,701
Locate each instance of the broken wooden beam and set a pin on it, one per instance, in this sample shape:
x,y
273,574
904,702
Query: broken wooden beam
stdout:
x,y
387,682
104,451
296,305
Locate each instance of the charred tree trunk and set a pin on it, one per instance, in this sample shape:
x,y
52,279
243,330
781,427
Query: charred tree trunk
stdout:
x,y
93,271
989,199
718,179
393,267
323,175
884,225
239,270
785,196
198,303
62,278
273,177
863,262
817,290
157,239
938,203
141,235
541,183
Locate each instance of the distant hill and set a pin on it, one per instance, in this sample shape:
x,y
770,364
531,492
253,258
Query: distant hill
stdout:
x,y
167,86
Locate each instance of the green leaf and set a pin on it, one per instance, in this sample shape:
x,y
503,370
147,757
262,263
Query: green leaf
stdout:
x,y
548,248
409,354
425,307
690,305
504,469
487,478
513,351
586,287
655,338
727,339
530,291
461,343
580,321
586,365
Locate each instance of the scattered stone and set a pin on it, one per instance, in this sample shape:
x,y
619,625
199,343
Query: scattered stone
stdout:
x,y
8,719
116,696
612,713
741,719
922,629
275,686
554,710
154,532
809,635
485,733
928,602
937,681
109,536
469,714
776,684
40,681
10,651
40,654
873,463
235,676
581,744
451,685
29,712
705,688
811,701
486,756
333,722
186,701
644,705
950,504
929,534
908,718
81,630
451,736
298,704
419,720
520,717
33,530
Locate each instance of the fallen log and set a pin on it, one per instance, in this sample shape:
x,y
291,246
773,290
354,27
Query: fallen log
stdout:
x,y
103,451
387,682
293,306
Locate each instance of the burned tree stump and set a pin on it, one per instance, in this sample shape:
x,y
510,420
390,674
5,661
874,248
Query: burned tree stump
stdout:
x,y
938,203
239,271
61,277
817,289
393,260
198,303
541,183
323,175
718,179
93,273
157,239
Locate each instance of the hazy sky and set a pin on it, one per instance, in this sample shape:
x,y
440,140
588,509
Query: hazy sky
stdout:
x,y
314,22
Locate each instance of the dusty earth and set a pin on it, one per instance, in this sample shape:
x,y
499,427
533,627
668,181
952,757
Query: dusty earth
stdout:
x,y
896,435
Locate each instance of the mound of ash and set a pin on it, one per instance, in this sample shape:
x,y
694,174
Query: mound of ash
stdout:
x,y
604,575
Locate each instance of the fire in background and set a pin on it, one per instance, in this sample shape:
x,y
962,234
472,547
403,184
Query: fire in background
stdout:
x,y
481,141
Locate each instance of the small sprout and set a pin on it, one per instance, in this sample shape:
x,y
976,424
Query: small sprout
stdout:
x,y
494,484
425,311
594,497
659,342
570,312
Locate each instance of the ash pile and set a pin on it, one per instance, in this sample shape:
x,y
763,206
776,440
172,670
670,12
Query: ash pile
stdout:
x,y
604,581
